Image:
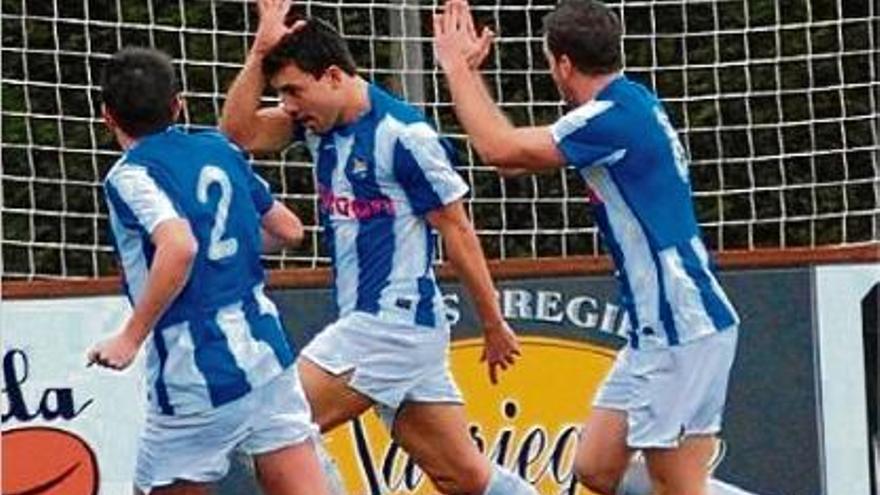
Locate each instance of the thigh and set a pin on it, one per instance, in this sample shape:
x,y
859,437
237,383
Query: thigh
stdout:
x,y
436,436
602,450
684,469
332,400
293,470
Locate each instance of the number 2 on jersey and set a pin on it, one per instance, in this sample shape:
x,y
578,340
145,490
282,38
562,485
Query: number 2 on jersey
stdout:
x,y
219,248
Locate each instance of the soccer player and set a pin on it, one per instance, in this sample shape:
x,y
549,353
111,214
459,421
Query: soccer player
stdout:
x,y
666,392
189,219
385,181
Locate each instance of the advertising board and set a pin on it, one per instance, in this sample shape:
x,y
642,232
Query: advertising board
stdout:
x,y
784,418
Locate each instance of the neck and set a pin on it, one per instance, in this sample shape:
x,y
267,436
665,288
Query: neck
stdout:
x,y
357,101
585,87
125,141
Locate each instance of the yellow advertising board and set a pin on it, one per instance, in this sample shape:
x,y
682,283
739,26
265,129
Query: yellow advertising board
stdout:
x,y
529,422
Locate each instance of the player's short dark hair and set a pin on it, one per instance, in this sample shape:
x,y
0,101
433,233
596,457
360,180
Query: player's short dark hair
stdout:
x,y
313,49
138,86
588,33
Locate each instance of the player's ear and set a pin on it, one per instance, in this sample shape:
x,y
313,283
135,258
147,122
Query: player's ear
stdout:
x,y
564,66
107,115
335,76
176,106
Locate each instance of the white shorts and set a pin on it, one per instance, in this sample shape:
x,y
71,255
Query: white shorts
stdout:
x,y
391,363
197,447
670,392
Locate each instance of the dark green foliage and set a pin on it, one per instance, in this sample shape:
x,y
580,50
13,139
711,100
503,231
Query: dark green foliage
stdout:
x,y
776,103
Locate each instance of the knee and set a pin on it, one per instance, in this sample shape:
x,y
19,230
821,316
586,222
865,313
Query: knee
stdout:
x,y
596,478
470,479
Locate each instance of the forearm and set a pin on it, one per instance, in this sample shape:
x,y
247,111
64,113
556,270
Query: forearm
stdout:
x,y
167,277
487,127
239,114
466,256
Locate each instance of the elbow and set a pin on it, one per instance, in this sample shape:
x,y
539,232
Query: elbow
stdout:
x,y
501,154
239,128
188,255
236,132
294,236
509,173
188,250
177,257
495,160
184,250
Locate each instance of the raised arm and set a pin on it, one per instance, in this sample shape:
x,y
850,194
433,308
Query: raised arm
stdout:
x,y
253,128
460,51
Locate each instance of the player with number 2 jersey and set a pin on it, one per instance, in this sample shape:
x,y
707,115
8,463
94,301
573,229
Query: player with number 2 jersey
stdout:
x,y
190,219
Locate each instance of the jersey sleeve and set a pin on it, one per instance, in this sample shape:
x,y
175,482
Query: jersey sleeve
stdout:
x,y
260,191
423,164
138,197
583,136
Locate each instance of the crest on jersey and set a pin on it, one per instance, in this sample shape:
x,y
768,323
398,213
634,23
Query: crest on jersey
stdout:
x,y
359,167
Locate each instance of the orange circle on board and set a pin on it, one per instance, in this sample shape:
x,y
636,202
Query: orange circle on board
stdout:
x,y
47,461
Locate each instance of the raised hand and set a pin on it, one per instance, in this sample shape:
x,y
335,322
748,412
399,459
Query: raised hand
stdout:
x,y
456,41
272,25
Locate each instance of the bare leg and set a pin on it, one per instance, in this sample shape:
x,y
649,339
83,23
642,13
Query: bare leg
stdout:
x,y
332,400
292,470
602,455
435,436
682,470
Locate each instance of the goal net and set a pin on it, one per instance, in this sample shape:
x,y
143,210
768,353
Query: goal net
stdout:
x,y
776,103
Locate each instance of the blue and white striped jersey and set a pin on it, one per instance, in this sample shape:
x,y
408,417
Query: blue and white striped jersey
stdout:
x,y
221,336
635,167
377,178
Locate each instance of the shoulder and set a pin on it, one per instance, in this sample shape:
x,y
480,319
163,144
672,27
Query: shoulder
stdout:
x,y
418,133
580,117
115,168
213,137
123,171
390,105
401,120
622,106
394,129
133,184
636,90
420,142
208,135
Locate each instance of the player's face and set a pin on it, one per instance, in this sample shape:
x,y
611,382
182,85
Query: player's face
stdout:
x,y
315,103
